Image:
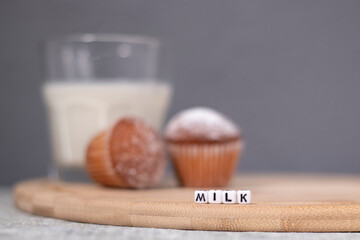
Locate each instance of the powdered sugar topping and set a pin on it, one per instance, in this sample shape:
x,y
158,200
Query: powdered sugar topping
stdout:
x,y
201,123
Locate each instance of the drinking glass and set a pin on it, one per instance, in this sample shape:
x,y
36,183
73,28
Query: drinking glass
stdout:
x,y
92,80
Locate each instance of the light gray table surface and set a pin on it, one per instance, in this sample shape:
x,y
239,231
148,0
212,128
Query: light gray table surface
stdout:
x,y
15,224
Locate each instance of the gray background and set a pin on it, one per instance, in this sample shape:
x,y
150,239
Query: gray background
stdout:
x,y
288,72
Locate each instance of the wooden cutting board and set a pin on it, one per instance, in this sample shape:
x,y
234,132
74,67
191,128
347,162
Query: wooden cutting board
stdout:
x,y
281,202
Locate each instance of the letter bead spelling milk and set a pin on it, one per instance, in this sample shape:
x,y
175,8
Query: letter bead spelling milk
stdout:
x,y
228,196
215,196
243,196
201,196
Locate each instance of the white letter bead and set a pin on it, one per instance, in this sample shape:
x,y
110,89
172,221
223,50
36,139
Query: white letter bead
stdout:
x,y
215,196
244,196
201,196
229,196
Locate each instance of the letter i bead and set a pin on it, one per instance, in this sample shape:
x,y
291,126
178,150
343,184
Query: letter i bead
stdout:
x,y
215,196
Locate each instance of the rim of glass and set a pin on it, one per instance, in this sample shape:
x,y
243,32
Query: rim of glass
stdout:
x,y
108,37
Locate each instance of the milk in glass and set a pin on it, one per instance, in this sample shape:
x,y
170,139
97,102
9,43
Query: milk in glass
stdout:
x,y
78,111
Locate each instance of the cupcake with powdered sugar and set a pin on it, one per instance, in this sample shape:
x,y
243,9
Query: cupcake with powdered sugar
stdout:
x,y
205,147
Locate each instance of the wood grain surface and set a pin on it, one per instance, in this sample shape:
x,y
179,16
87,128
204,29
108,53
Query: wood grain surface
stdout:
x,y
281,202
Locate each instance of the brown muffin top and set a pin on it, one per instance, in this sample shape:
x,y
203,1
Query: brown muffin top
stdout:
x,y
201,125
137,152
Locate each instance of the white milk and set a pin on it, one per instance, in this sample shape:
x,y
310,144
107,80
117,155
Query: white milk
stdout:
x,y
78,111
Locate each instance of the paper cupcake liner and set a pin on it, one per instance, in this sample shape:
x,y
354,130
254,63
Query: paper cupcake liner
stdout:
x,y
206,165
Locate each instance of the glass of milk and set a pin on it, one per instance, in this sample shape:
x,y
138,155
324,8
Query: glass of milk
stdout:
x,y
92,81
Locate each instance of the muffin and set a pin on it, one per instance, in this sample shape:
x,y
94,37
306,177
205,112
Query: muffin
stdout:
x,y
131,154
205,147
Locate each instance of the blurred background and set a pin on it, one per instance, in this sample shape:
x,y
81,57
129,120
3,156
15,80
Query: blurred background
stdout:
x,y
288,72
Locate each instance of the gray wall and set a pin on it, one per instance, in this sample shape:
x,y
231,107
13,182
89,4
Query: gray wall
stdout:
x,y
288,72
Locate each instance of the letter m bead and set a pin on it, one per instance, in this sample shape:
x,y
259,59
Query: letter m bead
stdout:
x,y
201,196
